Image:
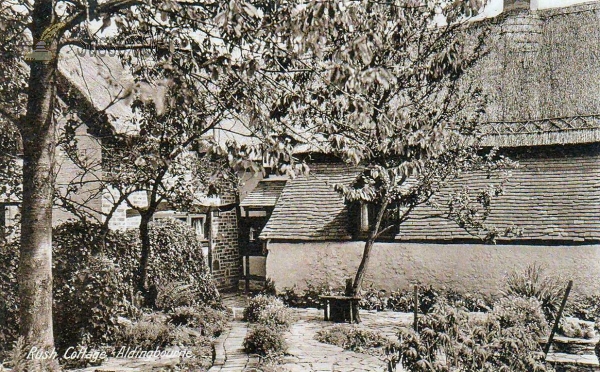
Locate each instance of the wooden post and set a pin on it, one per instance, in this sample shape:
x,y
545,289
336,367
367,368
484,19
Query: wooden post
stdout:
x,y
557,320
416,309
247,273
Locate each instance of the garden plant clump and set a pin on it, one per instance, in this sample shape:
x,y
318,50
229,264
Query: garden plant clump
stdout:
x,y
352,337
534,283
307,298
270,318
446,340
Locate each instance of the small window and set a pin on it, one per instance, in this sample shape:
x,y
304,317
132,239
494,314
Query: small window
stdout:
x,y
198,226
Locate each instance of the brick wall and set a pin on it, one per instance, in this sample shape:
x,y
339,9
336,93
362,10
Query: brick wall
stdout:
x,y
225,250
120,220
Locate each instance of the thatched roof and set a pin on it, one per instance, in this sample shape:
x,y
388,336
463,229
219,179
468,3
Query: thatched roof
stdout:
x,y
542,77
99,84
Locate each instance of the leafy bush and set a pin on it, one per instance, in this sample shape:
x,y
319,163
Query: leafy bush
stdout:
x,y
257,305
520,312
269,311
533,283
210,321
172,295
265,341
308,298
373,299
448,341
177,258
269,288
275,316
146,335
92,287
351,337
403,301
17,360
585,308
201,359
469,301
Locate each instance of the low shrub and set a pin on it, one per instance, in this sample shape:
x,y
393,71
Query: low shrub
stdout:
x,y
534,283
447,340
269,311
403,300
264,341
172,295
469,301
147,335
585,308
211,322
308,298
269,288
351,337
18,361
517,311
374,299
257,305
201,359
93,276
275,316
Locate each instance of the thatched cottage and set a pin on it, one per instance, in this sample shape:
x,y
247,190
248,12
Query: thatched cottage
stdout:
x,y
543,80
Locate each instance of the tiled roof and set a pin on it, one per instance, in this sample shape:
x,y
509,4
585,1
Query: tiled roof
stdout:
x,y
309,208
265,194
549,197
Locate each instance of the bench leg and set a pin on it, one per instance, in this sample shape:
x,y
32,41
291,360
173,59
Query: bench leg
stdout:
x,y
325,312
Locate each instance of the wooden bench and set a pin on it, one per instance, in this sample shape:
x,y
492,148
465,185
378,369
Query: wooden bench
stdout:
x,y
339,308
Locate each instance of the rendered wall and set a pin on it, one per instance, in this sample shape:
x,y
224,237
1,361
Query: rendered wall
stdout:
x,y
462,267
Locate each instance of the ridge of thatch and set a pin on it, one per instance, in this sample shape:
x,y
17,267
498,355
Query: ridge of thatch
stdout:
x,y
568,130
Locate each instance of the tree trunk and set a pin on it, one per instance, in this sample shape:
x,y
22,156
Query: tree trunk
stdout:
x,y
38,132
362,268
144,257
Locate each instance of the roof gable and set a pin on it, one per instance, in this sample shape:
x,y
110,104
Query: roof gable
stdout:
x,y
265,194
309,208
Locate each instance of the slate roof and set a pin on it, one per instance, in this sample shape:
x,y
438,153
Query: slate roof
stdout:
x,y
309,208
265,194
550,197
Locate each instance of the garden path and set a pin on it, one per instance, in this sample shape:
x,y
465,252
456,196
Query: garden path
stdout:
x,y
305,354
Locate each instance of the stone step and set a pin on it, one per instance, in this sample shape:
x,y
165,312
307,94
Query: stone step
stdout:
x,y
563,362
576,346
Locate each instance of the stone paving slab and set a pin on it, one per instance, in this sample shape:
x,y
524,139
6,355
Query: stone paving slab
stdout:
x,y
580,360
229,350
307,354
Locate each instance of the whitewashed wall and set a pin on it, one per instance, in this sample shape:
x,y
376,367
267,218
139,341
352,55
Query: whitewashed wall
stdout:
x,y
469,268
